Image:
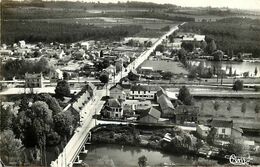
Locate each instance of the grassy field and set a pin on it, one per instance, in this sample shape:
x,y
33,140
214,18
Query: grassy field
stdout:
x,y
174,67
110,21
247,119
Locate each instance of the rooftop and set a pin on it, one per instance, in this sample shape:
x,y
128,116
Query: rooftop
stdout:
x,y
222,123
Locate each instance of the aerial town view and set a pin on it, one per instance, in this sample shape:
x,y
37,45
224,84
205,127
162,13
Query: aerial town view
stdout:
x,y
130,83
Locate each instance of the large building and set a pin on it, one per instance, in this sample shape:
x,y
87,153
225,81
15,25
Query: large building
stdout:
x,y
151,115
33,80
143,92
117,92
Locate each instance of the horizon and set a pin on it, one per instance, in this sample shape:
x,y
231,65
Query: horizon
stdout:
x,y
233,4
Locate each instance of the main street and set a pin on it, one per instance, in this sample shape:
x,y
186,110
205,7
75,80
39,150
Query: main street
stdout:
x,y
72,149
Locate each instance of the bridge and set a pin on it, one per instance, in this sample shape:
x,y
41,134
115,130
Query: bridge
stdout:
x,y
78,140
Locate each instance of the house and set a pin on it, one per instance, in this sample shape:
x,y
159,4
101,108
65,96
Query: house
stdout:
x,y
146,70
166,106
113,108
125,81
236,132
223,128
91,88
202,130
5,52
143,92
186,114
33,80
111,71
79,55
134,105
21,44
151,115
59,54
85,45
55,75
117,92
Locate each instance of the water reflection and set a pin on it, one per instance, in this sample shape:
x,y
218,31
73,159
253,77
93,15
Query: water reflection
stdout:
x,y
109,155
239,67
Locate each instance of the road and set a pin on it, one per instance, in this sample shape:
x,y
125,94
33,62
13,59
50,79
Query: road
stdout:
x,y
72,149
138,61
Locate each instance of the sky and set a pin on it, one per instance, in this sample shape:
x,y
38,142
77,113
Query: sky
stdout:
x,y
240,4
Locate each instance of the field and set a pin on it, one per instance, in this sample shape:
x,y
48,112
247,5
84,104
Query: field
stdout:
x,y
110,21
75,29
174,67
247,119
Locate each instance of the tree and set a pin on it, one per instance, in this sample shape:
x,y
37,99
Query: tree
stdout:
x,y
188,46
42,66
66,75
243,109
236,148
160,48
257,109
216,106
185,96
256,71
51,101
211,136
203,45
101,53
41,124
167,75
171,38
200,68
211,47
132,76
142,161
229,107
218,55
63,124
238,85
105,64
230,71
104,78
192,74
10,146
5,118
62,89
235,73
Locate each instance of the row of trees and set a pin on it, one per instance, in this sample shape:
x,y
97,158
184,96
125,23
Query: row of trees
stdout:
x,y
17,68
13,31
40,123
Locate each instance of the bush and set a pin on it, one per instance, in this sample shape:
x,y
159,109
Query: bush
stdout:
x,y
238,85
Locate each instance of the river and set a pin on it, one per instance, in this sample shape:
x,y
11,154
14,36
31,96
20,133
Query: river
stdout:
x,y
239,67
111,155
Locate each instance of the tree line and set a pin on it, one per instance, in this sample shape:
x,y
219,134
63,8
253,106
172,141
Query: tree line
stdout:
x,y
38,31
39,123
17,68
233,35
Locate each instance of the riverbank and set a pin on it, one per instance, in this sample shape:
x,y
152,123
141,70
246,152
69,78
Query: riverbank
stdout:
x,y
115,155
169,140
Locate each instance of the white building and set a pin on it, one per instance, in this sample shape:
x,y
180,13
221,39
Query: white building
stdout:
x,y
143,92
21,44
203,130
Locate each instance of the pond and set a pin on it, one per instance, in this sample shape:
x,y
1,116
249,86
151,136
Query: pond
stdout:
x,y
127,156
239,67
